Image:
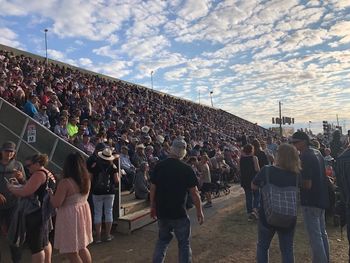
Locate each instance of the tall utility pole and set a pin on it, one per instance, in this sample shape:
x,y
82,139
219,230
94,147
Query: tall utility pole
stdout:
x,y
152,79
280,111
337,121
47,61
211,98
199,97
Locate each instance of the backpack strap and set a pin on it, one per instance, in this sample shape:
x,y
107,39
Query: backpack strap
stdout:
x,y
47,177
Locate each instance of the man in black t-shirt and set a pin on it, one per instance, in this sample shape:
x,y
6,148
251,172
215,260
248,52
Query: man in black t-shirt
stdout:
x,y
171,180
313,196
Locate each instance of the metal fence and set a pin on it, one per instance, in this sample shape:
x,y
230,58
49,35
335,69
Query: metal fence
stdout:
x,y
31,137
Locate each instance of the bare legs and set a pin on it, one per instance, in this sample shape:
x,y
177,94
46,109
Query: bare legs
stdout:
x,y
48,253
44,256
83,256
108,229
98,230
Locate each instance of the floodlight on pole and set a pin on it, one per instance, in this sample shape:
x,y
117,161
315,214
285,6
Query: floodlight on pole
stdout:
x,y
211,98
152,79
47,61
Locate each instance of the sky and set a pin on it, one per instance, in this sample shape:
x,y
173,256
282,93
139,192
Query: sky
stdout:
x,y
249,54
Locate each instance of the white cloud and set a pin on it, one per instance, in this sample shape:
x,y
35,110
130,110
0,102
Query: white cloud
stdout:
x,y
106,51
342,30
175,74
9,38
193,9
340,4
139,49
85,62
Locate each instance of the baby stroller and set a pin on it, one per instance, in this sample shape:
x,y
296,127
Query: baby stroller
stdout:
x,y
220,184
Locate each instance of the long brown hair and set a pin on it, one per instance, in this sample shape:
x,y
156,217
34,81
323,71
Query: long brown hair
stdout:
x,y
75,167
256,145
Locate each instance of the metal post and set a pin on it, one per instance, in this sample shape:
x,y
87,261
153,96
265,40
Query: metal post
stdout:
x,y
280,110
47,61
152,79
337,121
211,99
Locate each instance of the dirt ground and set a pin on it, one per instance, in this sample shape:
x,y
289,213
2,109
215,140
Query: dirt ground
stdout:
x,y
226,236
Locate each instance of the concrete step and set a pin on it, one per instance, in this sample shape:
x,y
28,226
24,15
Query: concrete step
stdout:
x,y
128,223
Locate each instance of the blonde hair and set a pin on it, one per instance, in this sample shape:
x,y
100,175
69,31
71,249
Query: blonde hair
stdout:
x,y
288,158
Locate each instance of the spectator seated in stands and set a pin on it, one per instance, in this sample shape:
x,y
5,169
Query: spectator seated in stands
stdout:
x,y
86,146
61,128
139,155
72,128
142,183
42,117
30,107
129,169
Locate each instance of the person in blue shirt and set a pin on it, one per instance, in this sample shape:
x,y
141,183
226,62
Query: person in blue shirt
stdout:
x,y
30,106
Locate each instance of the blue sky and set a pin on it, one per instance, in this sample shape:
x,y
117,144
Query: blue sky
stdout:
x,y
251,54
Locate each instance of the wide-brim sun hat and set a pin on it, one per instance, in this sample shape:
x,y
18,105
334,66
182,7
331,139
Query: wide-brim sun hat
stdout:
x,y
106,154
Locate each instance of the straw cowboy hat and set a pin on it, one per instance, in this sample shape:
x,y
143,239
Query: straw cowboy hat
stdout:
x,y
106,154
145,129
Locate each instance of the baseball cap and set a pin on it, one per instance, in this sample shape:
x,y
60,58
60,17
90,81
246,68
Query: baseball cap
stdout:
x,y
300,136
9,146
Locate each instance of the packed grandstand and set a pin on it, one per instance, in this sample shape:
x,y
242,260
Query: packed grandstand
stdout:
x,y
111,110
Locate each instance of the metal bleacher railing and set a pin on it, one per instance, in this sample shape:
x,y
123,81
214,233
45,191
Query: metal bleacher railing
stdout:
x,y
31,137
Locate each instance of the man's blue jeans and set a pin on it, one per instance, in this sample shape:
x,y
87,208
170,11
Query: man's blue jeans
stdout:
x,y
252,199
182,229
315,225
265,236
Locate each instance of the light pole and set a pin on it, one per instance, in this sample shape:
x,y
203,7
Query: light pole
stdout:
x,y
280,111
152,79
211,98
47,61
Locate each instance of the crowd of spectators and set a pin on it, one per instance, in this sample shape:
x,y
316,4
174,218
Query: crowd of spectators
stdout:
x,y
87,109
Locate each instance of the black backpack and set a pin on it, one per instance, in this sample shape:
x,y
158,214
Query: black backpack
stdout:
x,y
104,182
